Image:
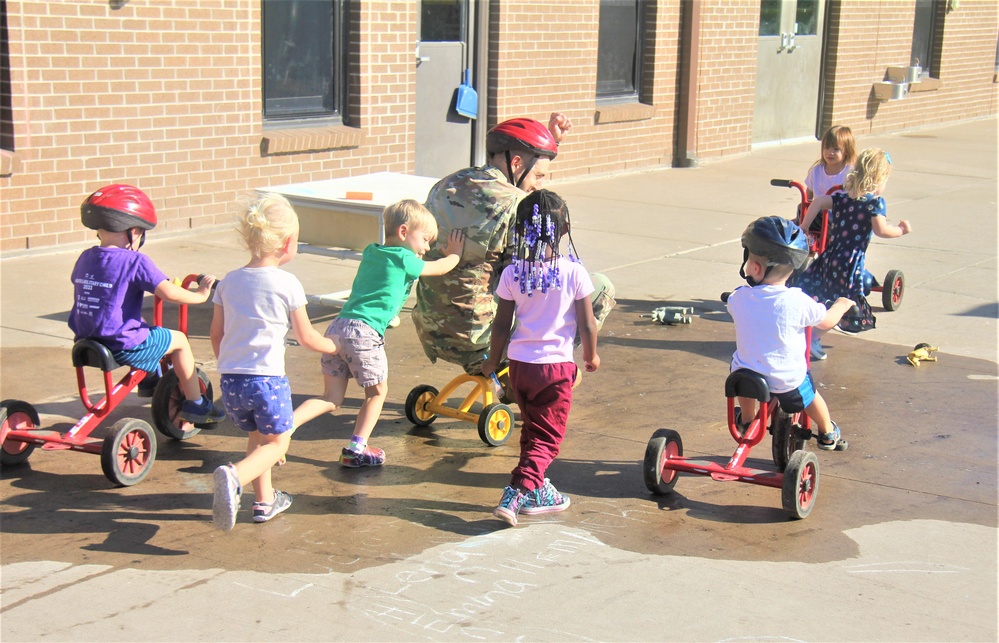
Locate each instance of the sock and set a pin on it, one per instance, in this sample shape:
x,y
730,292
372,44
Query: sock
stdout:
x,y
357,444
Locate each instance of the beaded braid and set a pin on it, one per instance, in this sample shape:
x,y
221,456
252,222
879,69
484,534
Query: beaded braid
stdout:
x,y
542,218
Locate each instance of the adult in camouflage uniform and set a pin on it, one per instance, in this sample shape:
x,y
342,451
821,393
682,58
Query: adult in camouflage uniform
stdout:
x,y
454,312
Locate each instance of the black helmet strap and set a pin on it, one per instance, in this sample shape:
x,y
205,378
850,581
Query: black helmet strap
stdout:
x,y
742,270
509,169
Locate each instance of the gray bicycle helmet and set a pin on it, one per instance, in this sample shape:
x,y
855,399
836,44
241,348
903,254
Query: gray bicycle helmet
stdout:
x,y
779,241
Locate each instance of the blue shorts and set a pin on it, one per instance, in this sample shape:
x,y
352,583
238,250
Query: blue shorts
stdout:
x,y
797,399
258,402
147,355
361,356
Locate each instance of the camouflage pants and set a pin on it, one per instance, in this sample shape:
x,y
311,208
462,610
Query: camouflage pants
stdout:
x,y
458,350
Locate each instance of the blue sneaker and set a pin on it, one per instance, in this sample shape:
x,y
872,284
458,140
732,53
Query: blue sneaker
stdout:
x,y
201,413
545,499
815,350
509,506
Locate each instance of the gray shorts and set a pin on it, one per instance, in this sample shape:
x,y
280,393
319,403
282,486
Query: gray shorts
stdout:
x,y
361,356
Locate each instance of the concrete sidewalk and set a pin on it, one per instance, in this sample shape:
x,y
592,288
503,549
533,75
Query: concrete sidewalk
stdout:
x,y
901,546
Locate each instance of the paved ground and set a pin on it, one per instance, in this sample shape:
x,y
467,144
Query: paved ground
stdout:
x,y
901,545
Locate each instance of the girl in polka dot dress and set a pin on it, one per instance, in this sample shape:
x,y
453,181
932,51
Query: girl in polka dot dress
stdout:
x,y
839,271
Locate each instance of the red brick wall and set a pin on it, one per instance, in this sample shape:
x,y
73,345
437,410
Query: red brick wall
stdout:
x,y
726,77
544,58
167,96
865,43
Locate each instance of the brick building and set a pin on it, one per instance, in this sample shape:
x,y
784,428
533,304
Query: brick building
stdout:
x,y
199,101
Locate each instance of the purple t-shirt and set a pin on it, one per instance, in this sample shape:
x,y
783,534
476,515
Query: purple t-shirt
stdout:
x,y
108,286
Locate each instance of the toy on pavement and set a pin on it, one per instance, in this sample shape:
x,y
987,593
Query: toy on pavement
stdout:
x,y
495,420
670,315
128,451
922,353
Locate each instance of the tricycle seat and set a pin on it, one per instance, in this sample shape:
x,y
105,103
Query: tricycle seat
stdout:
x,y
89,352
746,383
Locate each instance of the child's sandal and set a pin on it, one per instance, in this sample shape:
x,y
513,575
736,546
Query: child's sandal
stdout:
x,y
828,441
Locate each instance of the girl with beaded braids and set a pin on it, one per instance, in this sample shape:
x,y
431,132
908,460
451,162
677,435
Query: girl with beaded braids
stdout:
x,y
550,295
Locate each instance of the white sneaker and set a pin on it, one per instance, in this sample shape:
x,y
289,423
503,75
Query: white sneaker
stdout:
x,y
227,492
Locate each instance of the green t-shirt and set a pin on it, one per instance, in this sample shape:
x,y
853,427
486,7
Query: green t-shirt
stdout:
x,y
382,283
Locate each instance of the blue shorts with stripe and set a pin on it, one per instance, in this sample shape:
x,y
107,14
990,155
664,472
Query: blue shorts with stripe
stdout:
x,y
147,355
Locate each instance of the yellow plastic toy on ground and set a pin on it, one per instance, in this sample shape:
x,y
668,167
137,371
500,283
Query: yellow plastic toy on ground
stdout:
x,y
495,421
922,353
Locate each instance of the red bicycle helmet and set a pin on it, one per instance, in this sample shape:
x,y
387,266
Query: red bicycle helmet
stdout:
x,y
118,208
521,135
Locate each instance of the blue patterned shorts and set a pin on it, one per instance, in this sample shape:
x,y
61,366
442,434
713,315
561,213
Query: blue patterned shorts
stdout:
x,y
258,402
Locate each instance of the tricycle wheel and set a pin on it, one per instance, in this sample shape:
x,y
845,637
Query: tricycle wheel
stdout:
x,y
495,424
893,291
416,405
128,453
16,415
663,445
785,439
167,401
801,484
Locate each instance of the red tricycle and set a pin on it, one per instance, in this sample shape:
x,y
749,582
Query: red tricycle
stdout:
x,y
128,451
797,474
818,234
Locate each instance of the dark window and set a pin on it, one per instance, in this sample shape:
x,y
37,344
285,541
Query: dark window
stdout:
x,y
619,49
770,17
924,34
304,59
6,102
806,18
441,20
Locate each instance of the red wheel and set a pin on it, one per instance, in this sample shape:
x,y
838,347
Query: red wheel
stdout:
x,y
16,415
893,291
167,400
663,445
801,484
128,453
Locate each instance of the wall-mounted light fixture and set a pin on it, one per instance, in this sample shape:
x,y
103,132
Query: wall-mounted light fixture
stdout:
x,y
117,4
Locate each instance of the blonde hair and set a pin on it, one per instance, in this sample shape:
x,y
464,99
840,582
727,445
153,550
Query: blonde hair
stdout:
x,y
410,213
266,223
870,172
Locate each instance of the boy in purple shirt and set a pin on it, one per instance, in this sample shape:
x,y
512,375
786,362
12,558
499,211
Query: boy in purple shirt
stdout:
x,y
109,282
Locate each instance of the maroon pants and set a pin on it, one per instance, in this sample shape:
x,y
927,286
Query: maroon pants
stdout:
x,y
544,395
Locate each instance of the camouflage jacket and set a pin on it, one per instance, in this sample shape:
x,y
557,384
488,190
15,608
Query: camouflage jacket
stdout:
x,y
454,312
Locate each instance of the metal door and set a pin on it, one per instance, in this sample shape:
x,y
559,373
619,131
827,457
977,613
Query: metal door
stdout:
x,y
788,70
443,137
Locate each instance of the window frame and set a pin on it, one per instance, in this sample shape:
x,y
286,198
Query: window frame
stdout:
x,y
337,97
927,22
606,96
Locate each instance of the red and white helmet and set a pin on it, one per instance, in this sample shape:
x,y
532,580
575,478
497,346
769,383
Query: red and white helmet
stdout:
x,y
117,208
521,135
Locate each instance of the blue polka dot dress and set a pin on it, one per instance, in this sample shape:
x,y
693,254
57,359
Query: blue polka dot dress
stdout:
x,y
839,271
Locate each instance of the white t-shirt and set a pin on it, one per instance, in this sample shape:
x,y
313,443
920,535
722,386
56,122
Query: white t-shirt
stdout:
x,y
546,322
820,183
770,324
257,304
